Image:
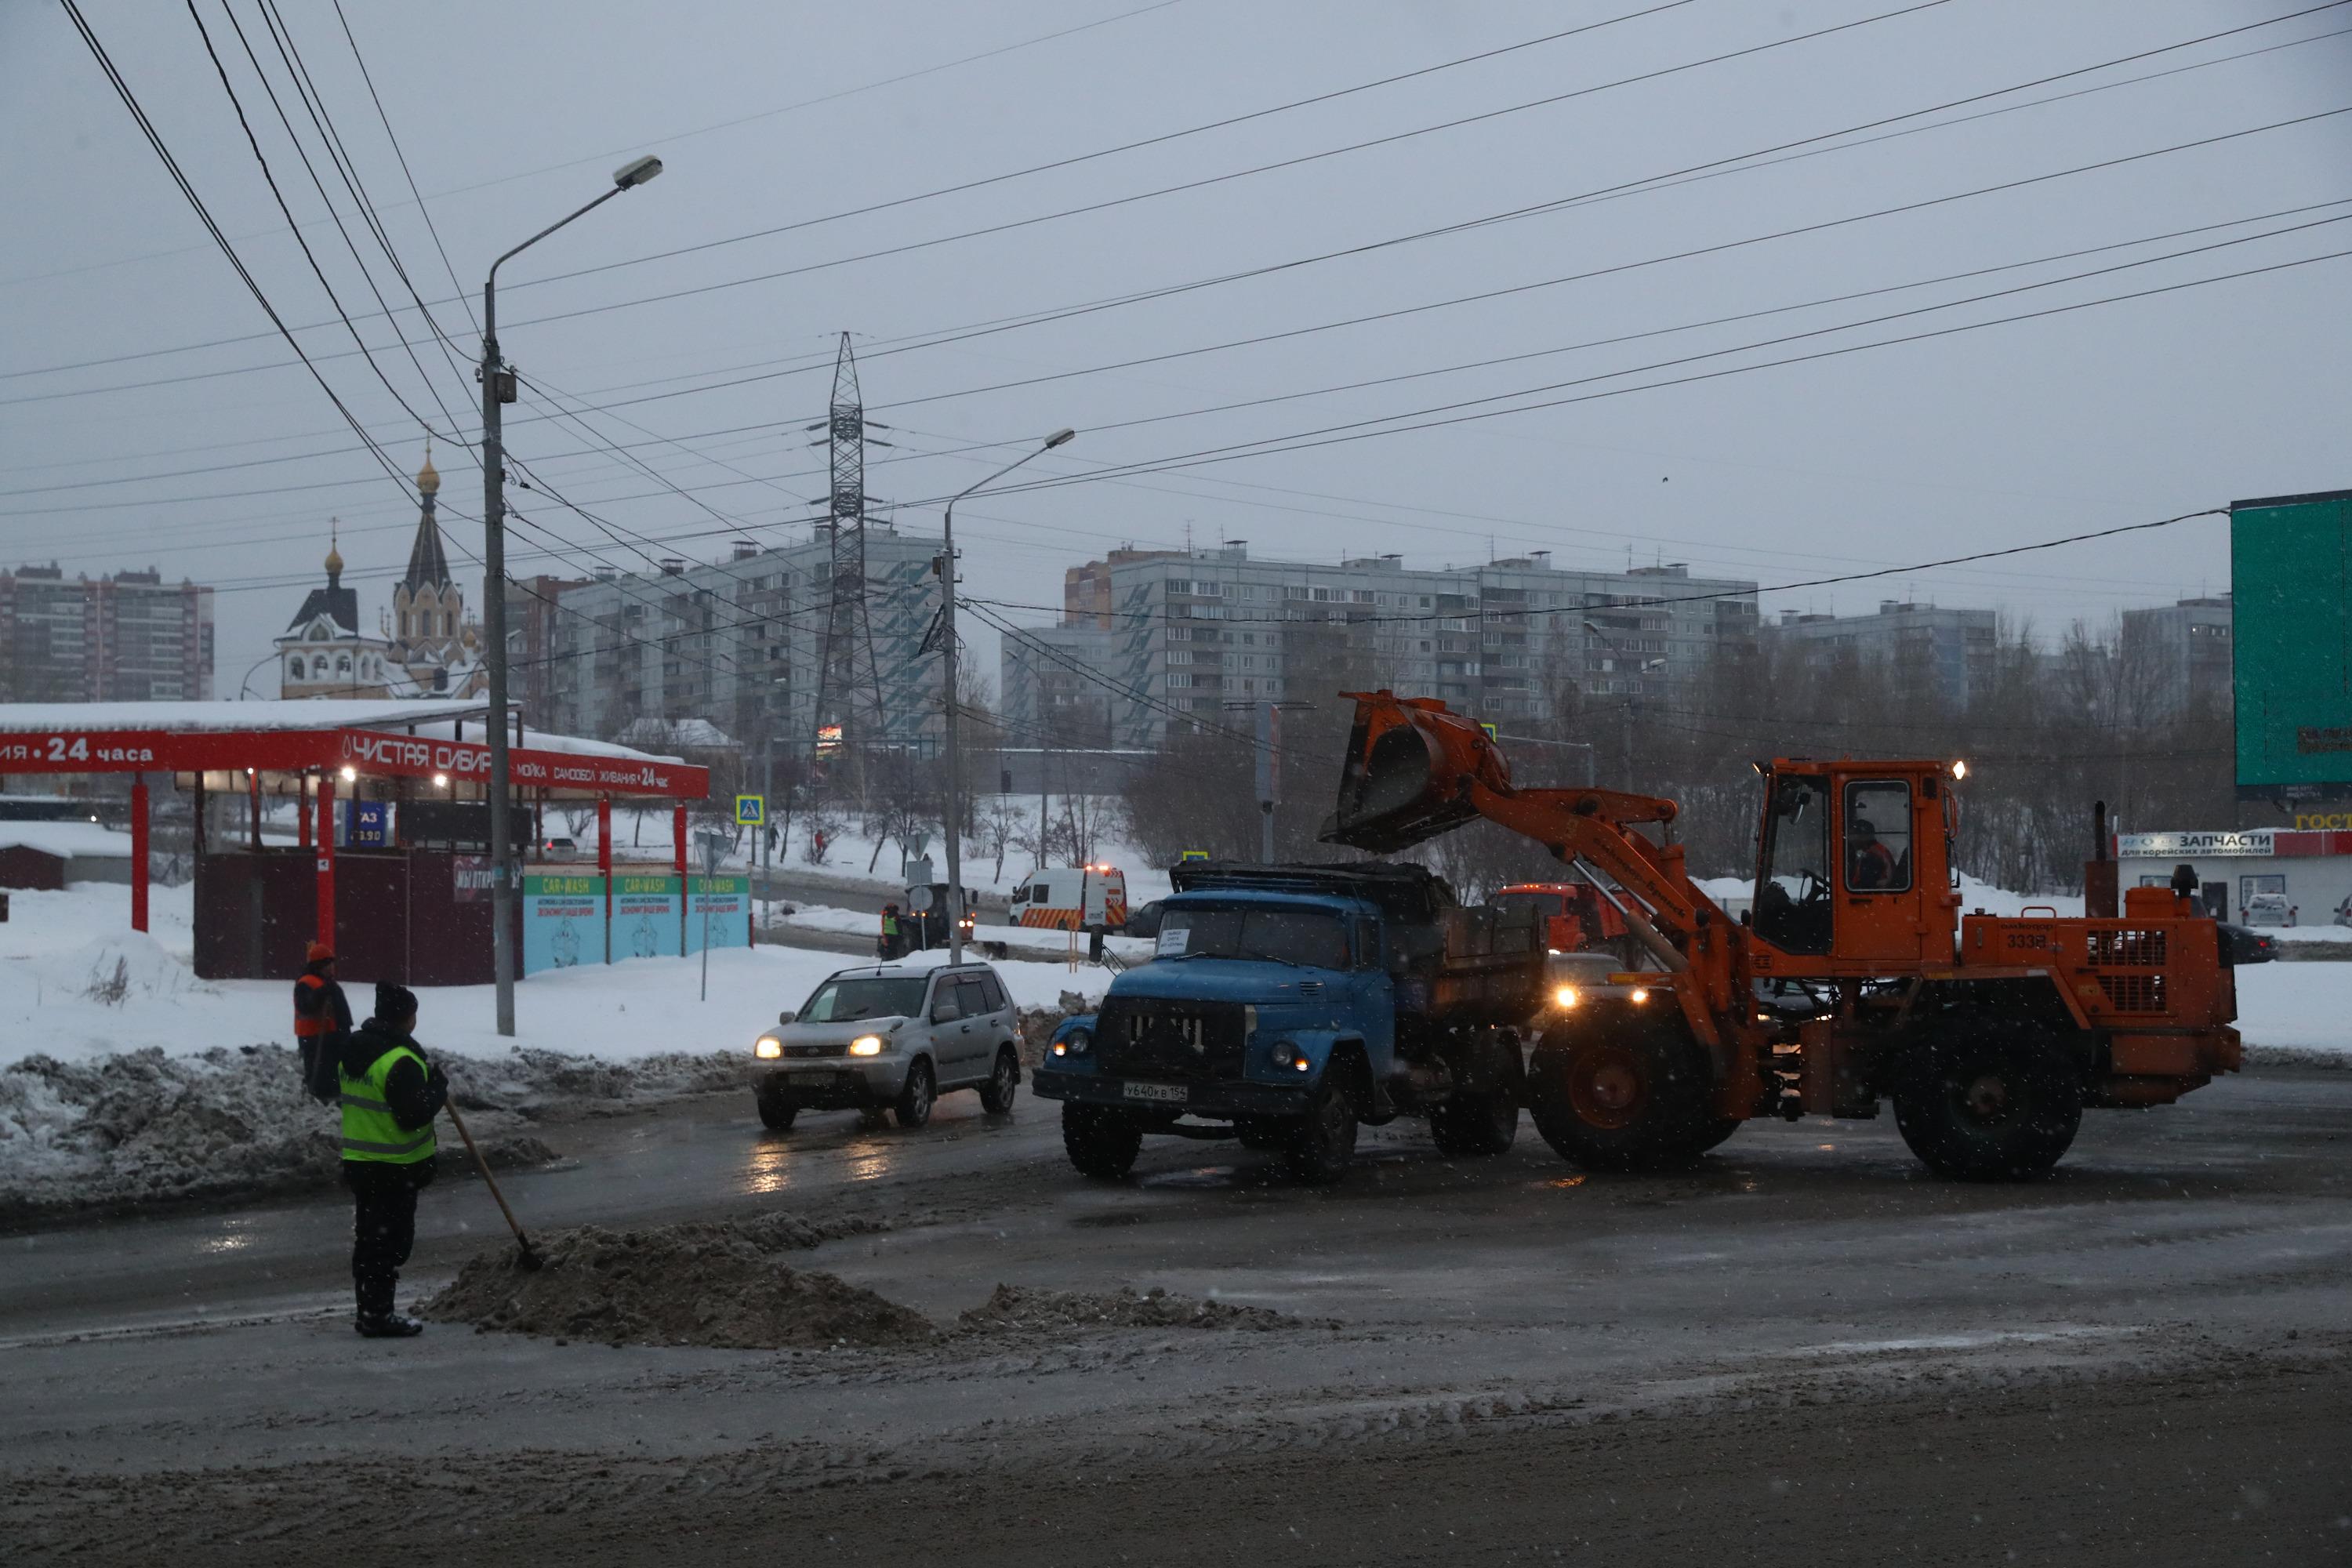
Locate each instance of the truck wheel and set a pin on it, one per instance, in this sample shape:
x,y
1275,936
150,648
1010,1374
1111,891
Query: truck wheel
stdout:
x,y
1323,1142
1101,1141
1484,1122
1621,1098
996,1094
1265,1136
917,1095
776,1112
1991,1107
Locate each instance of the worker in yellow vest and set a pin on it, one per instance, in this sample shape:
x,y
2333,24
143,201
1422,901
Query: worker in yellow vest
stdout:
x,y
390,1096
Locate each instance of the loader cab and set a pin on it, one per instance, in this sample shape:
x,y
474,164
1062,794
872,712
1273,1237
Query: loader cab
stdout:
x,y
1852,862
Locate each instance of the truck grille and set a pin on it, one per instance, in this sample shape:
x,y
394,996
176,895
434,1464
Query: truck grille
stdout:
x,y
1171,1039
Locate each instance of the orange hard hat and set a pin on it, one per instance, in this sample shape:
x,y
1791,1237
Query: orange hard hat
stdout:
x,y
318,952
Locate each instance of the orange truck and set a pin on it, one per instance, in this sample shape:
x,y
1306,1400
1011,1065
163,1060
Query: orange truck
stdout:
x,y
1853,980
1573,916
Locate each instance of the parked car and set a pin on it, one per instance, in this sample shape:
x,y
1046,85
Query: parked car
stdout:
x,y
559,849
883,1036
2268,909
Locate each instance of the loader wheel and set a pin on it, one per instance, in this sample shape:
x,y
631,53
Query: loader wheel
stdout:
x,y
1101,1140
1615,1095
1990,1107
1322,1142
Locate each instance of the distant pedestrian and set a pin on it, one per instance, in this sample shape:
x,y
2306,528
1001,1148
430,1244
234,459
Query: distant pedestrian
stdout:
x,y
389,1097
321,1018
892,942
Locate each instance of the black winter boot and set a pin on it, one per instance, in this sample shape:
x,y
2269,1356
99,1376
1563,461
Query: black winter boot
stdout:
x,y
390,1326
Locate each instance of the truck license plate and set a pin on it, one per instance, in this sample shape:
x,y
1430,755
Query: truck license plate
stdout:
x,y
1173,1093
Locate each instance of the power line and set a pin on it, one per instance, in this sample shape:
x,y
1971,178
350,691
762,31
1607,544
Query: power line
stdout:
x,y
1343,434
1712,168
279,197
705,129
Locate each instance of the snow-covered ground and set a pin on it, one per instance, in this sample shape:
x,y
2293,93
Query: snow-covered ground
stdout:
x,y
63,953
123,1077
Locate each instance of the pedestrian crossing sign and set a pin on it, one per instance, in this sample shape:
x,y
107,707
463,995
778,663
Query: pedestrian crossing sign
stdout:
x,y
750,811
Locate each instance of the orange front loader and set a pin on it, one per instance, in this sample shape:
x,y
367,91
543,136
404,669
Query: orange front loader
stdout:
x,y
1855,978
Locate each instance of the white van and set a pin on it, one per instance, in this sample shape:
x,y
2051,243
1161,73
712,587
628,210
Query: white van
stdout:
x,y
1072,898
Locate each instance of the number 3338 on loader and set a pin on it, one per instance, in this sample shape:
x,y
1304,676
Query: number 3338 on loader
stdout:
x,y
1853,979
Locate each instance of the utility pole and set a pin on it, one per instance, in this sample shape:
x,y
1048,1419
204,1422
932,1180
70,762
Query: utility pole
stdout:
x,y
498,388
954,812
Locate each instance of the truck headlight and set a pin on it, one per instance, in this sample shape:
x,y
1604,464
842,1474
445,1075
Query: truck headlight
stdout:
x,y
1286,1054
1564,997
1074,1044
866,1046
1639,994
768,1049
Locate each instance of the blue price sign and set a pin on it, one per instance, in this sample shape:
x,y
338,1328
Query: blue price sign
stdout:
x,y
750,811
367,824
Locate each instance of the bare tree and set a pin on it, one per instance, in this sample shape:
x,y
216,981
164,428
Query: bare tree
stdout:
x,y
999,824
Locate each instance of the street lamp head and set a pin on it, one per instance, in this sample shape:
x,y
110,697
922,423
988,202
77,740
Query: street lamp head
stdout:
x,y
638,171
1058,437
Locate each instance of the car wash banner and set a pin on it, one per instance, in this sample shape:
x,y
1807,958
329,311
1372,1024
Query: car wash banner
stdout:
x,y
562,921
645,916
722,905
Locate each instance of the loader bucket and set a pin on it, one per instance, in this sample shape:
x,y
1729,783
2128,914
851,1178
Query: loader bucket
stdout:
x,y
1406,774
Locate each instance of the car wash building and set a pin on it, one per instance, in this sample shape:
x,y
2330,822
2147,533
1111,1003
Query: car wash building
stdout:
x,y
390,861
2253,876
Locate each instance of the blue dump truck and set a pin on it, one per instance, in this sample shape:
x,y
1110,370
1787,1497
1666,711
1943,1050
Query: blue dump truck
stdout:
x,y
1286,1006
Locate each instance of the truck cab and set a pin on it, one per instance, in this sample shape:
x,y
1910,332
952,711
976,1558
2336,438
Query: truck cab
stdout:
x,y
1286,1005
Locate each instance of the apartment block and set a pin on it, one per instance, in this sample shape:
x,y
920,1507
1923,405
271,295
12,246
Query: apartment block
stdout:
x,y
129,637
1191,633
739,642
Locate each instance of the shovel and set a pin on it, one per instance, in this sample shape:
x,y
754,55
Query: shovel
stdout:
x,y
532,1260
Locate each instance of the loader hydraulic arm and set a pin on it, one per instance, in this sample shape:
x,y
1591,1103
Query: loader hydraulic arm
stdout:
x,y
1416,770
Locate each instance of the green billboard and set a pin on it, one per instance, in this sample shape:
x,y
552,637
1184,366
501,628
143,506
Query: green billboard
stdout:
x,y
2291,581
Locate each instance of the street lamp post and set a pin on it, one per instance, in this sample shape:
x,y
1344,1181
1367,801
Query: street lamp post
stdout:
x,y
948,701
497,388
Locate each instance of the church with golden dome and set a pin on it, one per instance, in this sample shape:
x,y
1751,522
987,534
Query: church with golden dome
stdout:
x,y
426,647
437,642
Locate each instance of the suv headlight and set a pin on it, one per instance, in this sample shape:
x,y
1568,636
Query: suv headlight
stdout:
x,y
866,1046
768,1049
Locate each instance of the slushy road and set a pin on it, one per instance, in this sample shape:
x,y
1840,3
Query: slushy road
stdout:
x,y
1802,1350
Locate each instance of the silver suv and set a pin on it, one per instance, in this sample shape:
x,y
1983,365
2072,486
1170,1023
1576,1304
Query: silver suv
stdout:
x,y
880,1037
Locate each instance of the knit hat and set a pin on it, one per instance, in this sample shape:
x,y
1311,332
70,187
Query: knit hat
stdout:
x,y
394,1001
318,952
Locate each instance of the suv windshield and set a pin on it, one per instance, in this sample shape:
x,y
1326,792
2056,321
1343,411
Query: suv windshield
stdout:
x,y
839,1001
1311,936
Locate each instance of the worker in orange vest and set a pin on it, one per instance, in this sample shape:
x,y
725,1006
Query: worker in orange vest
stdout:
x,y
321,1018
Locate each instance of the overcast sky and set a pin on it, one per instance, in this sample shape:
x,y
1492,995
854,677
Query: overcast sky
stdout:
x,y
777,116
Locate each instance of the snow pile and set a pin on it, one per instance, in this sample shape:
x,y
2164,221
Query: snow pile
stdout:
x,y
1018,1309
144,1126
698,1283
